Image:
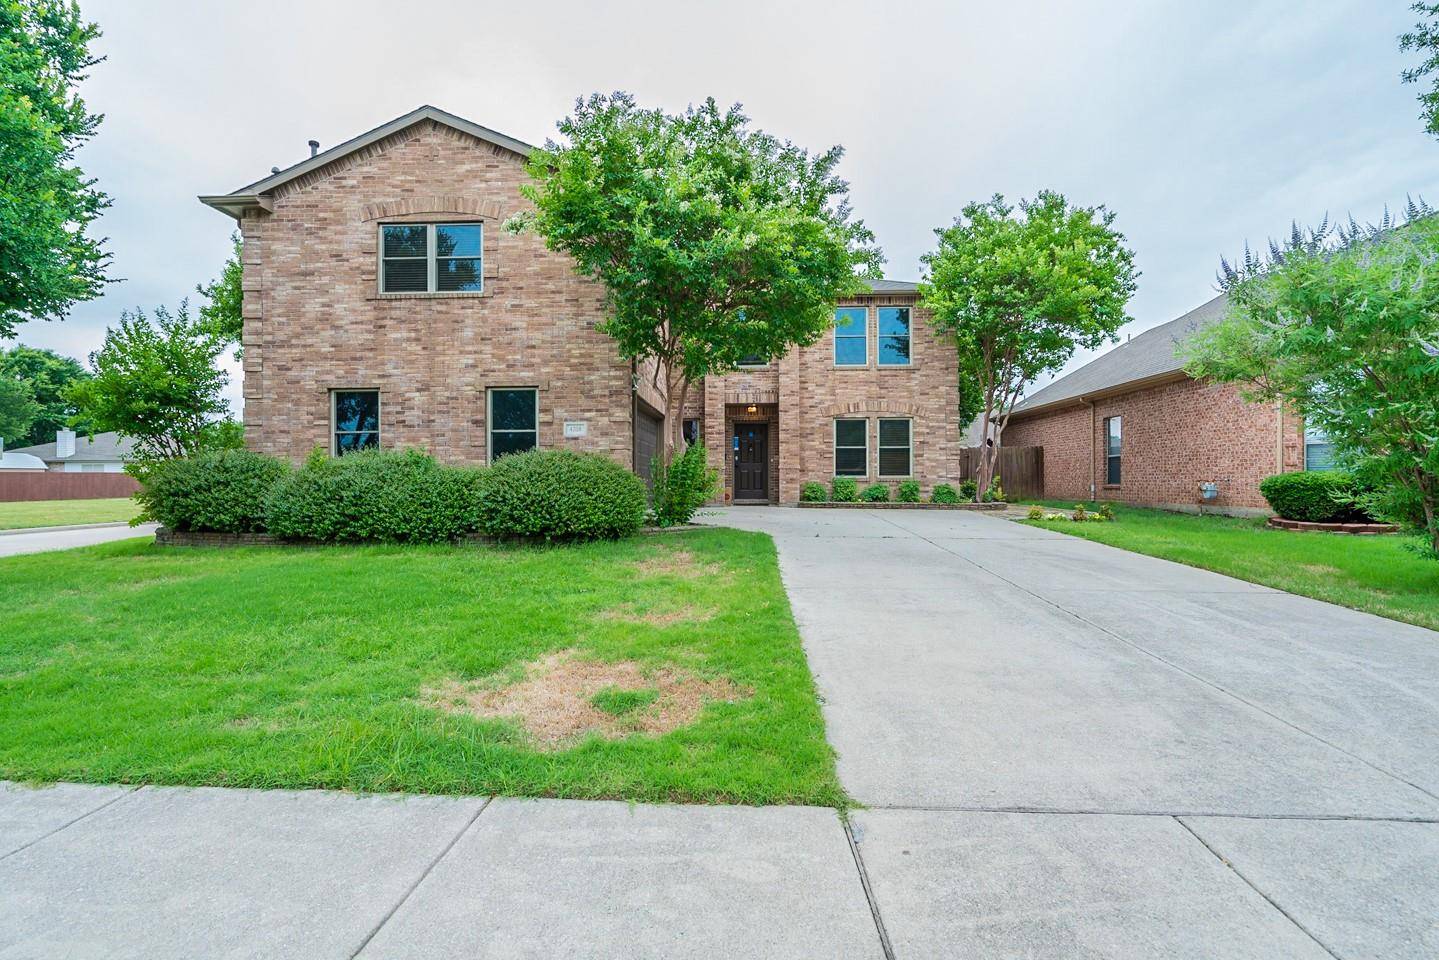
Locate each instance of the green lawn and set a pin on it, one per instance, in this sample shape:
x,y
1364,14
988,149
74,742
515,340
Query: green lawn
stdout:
x,y
294,667
52,513
1376,574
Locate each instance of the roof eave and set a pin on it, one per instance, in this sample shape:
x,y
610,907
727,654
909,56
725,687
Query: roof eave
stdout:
x,y
235,204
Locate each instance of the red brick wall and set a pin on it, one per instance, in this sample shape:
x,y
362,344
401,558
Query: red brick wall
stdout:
x,y
315,319
1176,435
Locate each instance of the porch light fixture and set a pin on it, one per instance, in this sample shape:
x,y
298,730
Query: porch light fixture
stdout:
x,y
751,409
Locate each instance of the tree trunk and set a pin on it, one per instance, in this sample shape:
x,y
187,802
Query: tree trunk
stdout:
x,y
1426,498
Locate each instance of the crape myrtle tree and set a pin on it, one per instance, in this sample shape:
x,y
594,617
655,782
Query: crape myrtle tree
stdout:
x,y
714,242
1342,325
47,260
1019,290
220,312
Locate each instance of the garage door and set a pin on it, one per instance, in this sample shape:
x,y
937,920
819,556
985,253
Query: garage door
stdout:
x,y
647,441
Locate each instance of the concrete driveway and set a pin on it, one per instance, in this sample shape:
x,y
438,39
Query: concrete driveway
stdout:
x,y
42,539
1071,750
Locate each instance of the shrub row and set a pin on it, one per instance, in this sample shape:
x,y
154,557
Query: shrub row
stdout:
x,y
396,497
846,490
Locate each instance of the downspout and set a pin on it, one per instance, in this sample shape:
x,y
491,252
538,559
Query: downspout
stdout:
x,y
1093,490
1279,436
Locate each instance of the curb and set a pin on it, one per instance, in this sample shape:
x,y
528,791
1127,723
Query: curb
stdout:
x,y
63,528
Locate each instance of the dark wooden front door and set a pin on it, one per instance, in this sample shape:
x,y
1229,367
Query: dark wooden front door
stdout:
x,y
751,461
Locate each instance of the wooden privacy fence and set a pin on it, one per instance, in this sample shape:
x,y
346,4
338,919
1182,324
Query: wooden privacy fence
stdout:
x,y
1021,469
52,485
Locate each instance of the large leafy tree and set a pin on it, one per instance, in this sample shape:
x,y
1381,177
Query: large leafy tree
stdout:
x,y
1343,326
1020,290
220,313
156,382
1424,39
47,260
18,410
48,374
714,241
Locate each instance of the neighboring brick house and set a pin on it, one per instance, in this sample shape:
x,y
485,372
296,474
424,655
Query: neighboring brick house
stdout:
x,y
1132,426
384,306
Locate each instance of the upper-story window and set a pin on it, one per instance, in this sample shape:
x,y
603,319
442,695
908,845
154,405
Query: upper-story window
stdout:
x,y
893,337
851,337
431,258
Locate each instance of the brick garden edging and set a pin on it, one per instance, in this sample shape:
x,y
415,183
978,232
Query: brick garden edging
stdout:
x,y
904,506
1360,529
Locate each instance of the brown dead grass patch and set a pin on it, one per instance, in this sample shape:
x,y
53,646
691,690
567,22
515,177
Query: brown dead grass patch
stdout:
x,y
1319,569
553,701
676,562
661,617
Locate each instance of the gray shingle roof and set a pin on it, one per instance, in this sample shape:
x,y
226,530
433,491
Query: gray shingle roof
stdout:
x,y
101,448
1150,354
893,286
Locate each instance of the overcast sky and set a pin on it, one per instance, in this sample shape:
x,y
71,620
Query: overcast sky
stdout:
x,y
1201,124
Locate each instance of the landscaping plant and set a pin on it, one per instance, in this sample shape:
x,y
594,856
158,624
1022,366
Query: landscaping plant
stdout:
x,y
560,495
681,488
944,493
843,490
1080,514
908,491
714,241
376,496
1036,512
1019,290
875,493
1315,496
1342,326
813,492
217,490
968,489
1106,511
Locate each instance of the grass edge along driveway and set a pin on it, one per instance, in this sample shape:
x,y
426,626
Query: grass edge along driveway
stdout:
x,y
304,668
1382,575
24,514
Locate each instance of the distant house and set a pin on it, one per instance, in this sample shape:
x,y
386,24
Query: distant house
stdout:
x,y
1132,426
101,453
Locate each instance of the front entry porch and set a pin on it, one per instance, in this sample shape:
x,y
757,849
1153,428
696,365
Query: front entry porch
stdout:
x,y
752,453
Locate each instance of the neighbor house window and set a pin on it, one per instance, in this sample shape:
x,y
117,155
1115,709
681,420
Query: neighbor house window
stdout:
x,y
355,415
1112,438
431,258
895,453
1318,451
851,448
514,421
851,337
893,336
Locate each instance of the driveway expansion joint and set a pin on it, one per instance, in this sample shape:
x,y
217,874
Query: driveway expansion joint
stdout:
x,y
1097,812
70,823
850,836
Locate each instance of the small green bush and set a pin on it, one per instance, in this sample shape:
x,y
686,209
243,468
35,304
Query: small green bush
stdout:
x,y
1080,514
813,492
843,490
967,490
908,491
375,495
1036,512
1106,511
683,488
996,490
944,493
875,493
218,490
560,495
1316,496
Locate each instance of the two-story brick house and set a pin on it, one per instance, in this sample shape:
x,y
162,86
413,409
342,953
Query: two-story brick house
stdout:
x,y
384,306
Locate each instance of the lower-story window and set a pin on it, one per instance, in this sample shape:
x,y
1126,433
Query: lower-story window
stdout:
x,y
1113,447
355,417
851,448
514,421
1318,451
895,448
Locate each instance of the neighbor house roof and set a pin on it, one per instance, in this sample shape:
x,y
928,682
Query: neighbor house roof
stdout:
x,y
101,448
1153,354
254,194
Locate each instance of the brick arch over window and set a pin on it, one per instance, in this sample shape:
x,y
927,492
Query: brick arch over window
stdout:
x,y
415,206
872,406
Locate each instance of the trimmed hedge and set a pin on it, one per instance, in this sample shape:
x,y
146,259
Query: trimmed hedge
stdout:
x,y
944,493
222,491
375,495
843,490
560,495
683,488
813,492
875,493
908,491
1316,496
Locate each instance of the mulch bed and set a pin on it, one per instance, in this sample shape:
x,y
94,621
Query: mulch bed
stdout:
x,y
1359,529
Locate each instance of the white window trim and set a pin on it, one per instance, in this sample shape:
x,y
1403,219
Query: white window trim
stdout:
x,y
834,351
908,337
908,448
834,447
335,430
490,419
432,259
